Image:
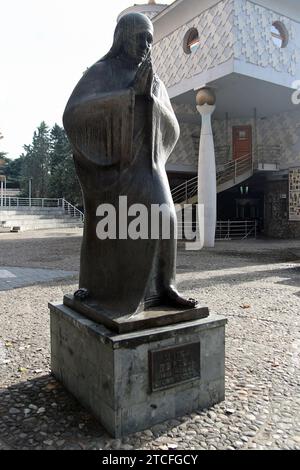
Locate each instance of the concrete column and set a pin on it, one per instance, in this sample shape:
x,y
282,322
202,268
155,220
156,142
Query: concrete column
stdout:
x,y
207,188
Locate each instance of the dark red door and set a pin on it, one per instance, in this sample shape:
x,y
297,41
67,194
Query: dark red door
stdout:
x,y
242,141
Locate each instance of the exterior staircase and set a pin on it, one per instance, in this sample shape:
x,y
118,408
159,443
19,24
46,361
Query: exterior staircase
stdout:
x,y
231,173
228,175
37,214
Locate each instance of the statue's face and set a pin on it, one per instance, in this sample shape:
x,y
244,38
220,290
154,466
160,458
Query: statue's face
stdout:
x,y
138,44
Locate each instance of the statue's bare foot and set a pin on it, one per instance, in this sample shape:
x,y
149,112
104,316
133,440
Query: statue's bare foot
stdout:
x,y
81,294
177,300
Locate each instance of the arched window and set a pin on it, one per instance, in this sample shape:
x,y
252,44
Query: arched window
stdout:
x,y
191,41
280,35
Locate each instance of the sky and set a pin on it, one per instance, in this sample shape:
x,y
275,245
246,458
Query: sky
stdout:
x,y
45,47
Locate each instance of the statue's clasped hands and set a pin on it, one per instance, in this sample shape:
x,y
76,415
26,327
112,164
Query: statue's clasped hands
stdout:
x,y
144,78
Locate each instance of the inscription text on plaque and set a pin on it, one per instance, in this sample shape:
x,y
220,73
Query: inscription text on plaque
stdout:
x,y
175,365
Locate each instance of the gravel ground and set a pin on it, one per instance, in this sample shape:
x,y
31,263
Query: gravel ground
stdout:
x,y
256,284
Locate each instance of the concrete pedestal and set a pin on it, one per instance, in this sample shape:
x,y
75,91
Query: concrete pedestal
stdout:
x,y
133,381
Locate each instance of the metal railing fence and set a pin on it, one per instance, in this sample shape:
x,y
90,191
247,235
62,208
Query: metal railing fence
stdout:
x,y
7,203
225,230
230,171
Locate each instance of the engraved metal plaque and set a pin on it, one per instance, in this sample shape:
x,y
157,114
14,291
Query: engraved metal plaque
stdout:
x,y
175,365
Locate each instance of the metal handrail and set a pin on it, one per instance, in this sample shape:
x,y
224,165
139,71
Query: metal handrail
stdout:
x,y
22,202
266,154
225,230
174,190
72,210
185,190
229,171
16,201
236,229
232,170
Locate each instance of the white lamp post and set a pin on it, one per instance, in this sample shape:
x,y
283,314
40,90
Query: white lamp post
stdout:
x,y
3,185
30,190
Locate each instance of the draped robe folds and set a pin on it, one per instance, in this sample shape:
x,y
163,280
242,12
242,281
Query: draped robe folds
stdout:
x,y
121,143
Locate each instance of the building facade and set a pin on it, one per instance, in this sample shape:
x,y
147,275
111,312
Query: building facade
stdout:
x,y
248,53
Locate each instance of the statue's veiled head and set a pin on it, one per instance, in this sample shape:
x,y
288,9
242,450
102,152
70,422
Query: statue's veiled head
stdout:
x,y
133,38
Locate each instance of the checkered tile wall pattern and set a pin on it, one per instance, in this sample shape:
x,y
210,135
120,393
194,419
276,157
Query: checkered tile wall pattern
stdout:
x,y
253,40
278,130
230,29
215,27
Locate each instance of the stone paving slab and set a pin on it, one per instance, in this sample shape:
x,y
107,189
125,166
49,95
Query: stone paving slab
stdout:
x,y
13,278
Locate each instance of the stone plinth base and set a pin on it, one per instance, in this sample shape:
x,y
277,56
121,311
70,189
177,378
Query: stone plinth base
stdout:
x,y
151,318
133,381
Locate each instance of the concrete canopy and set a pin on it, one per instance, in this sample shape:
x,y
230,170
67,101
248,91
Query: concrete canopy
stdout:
x,y
238,95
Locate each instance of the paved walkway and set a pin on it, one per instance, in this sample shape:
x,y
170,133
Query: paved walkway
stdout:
x,y
12,278
255,284
4,446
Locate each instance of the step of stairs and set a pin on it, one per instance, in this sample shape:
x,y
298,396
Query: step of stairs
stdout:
x,y
18,220
39,219
49,225
31,211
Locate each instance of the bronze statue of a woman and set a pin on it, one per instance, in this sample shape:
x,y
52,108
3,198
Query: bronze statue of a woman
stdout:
x,y
122,128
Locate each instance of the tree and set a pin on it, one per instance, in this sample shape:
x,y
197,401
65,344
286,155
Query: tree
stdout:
x,y
63,179
13,172
3,162
36,163
48,162
3,159
2,154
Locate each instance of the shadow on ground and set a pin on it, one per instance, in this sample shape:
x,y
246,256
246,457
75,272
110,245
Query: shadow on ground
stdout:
x,y
214,260
41,414
241,278
293,281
